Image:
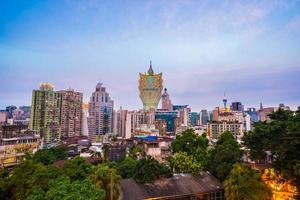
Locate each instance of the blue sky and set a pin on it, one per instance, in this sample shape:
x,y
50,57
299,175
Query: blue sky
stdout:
x,y
250,49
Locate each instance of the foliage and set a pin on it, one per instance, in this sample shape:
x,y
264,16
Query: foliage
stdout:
x,y
181,162
191,143
49,156
127,167
77,168
226,153
281,137
243,183
64,189
148,170
28,176
106,177
4,177
136,151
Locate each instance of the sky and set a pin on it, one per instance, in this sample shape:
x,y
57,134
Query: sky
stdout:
x,y
248,49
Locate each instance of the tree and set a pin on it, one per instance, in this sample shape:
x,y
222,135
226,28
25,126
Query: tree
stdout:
x,y
183,163
64,189
127,167
191,143
281,137
49,156
244,183
77,168
103,176
148,170
136,152
188,141
4,191
226,153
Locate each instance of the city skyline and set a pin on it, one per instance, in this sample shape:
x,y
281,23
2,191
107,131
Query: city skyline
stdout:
x,y
248,49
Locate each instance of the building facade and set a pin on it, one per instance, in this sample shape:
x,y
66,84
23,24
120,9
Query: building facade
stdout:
x,y
215,129
204,117
71,113
169,117
166,101
194,119
100,112
45,116
150,87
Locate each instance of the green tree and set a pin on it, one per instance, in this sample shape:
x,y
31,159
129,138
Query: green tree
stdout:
x,y
226,153
136,151
77,168
148,170
4,190
244,183
103,176
281,137
191,143
181,162
49,156
64,189
127,167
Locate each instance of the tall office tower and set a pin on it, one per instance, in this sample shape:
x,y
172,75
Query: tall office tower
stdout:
x,y
71,113
100,112
237,106
204,117
45,116
194,119
150,87
166,101
84,119
169,117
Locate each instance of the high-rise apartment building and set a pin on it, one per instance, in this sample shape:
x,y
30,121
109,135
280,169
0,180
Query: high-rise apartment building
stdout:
x,y
150,87
166,101
71,113
100,112
45,116
215,129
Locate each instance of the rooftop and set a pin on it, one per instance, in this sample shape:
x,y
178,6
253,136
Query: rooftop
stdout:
x,y
182,184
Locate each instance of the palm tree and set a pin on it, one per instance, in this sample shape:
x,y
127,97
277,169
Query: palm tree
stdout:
x,y
108,179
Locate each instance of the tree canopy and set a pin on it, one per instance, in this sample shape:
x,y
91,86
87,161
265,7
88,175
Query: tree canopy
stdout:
x,y
148,170
281,137
225,154
244,183
191,143
181,162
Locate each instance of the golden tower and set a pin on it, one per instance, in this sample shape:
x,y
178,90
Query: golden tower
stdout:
x,y
150,87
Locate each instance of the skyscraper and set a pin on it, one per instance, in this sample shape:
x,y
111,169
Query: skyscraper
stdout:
x,y
166,101
71,113
46,113
204,117
150,87
194,119
100,112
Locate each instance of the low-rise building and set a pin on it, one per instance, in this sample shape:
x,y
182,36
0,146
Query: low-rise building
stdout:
x,y
181,186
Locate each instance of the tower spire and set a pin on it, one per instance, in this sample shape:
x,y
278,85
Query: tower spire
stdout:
x,y
150,71
225,100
